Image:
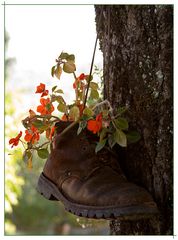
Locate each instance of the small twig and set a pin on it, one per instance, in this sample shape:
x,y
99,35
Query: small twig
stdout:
x,y
83,93
23,144
36,148
119,114
92,62
54,121
76,90
91,68
102,103
45,116
69,127
114,124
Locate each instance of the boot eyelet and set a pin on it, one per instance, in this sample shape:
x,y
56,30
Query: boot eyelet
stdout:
x,y
67,173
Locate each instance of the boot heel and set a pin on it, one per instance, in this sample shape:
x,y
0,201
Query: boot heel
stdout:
x,y
44,189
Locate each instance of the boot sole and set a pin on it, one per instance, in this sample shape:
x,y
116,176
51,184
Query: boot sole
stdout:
x,y
50,191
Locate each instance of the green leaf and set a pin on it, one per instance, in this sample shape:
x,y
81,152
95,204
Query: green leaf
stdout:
x,y
53,71
121,123
43,153
63,55
94,94
54,88
62,107
79,130
121,110
38,124
89,78
105,113
74,113
69,67
24,123
88,111
71,57
103,133
120,138
85,118
94,86
82,125
59,91
133,136
58,71
111,141
59,99
100,145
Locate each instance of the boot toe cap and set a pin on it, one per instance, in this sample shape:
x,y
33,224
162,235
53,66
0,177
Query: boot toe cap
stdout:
x,y
114,191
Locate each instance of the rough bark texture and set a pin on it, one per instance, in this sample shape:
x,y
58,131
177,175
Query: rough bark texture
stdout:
x,y
137,47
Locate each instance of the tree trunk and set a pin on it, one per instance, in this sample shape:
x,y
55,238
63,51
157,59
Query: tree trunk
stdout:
x,y
137,46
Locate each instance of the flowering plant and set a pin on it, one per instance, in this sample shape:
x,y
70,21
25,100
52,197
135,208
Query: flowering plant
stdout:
x,y
95,115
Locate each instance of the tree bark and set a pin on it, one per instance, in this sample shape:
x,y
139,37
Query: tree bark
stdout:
x,y
137,46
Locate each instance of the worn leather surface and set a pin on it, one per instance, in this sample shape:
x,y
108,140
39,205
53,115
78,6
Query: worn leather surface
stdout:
x,y
88,178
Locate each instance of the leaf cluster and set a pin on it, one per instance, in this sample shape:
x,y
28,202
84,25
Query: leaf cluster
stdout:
x,y
115,129
66,63
94,115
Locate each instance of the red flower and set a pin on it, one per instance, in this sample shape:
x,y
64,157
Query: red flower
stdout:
x,y
41,89
78,84
80,106
95,125
46,106
82,76
99,117
48,132
64,118
52,132
74,85
15,141
82,85
32,135
79,80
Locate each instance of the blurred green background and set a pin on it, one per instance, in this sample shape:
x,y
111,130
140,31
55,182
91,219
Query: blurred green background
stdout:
x,y
32,43
31,214
26,211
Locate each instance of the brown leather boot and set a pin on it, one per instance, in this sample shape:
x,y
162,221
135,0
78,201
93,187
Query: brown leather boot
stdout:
x,y
91,185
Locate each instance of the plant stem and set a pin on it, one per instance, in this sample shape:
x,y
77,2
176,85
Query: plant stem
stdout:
x,y
76,89
74,75
36,148
92,62
114,124
83,93
23,144
91,68
102,103
45,116
69,127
